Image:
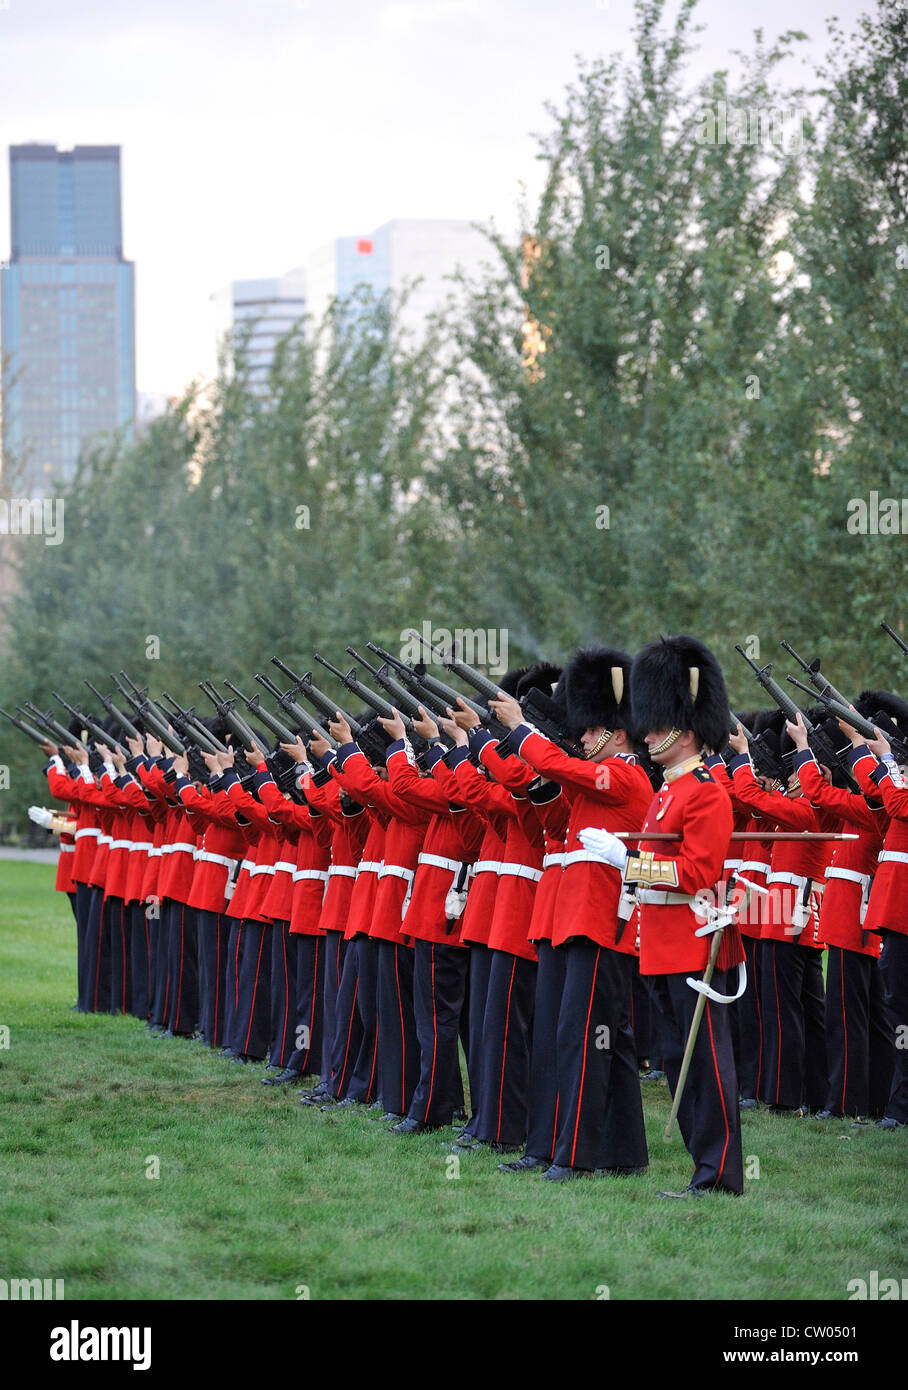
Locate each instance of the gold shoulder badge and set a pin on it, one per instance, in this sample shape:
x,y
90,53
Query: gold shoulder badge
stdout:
x,y
703,774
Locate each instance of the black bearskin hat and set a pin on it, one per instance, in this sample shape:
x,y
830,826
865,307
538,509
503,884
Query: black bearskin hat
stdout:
x,y
768,721
870,703
510,680
543,676
215,726
597,689
677,683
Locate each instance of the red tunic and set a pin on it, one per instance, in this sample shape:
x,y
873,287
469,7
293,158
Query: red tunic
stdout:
x,y
889,893
611,795
693,806
60,789
797,875
404,834
849,875
452,841
495,807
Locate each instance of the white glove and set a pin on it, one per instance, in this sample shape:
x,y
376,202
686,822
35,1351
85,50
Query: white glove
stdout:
x,y
40,816
605,846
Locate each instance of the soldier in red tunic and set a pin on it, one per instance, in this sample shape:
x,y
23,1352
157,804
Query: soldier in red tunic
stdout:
x,y
679,701
878,774
600,1117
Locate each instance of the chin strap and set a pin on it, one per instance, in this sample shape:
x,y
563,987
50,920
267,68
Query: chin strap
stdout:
x,y
600,743
667,742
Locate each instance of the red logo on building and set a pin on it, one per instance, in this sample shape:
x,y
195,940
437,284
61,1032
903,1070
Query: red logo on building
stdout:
x,y
365,246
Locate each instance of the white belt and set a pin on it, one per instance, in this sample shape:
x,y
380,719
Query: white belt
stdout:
x,y
246,864
67,849
261,869
87,830
121,844
155,852
797,880
368,866
801,912
550,860
852,875
486,866
656,897
756,866
439,862
396,871
208,858
583,856
178,846
890,856
286,866
105,840
310,873
345,870
520,871
732,864
142,844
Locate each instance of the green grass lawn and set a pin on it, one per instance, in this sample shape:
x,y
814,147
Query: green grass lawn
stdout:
x,y
258,1195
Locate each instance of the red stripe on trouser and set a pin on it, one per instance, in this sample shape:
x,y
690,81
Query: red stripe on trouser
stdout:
x,y
756,984
775,985
283,933
434,1040
180,976
255,988
586,1039
504,1050
845,1035
709,1021
98,964
217,977
123,956
403,1035
343,1071
314,1000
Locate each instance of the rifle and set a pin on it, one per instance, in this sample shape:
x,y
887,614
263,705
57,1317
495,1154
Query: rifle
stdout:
x,y
864,726
155,718
816,738
896,638
98,734
406,704
325,705
25,728
763,756
299,715
433,694
378,703
536,706
303,684
821,685
57,732
129,729
227,711
374,746
192,728
270,721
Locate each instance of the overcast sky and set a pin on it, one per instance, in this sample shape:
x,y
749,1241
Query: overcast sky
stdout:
x,y
254,132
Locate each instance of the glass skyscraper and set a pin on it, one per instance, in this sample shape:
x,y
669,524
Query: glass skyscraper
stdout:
x,y
68,309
